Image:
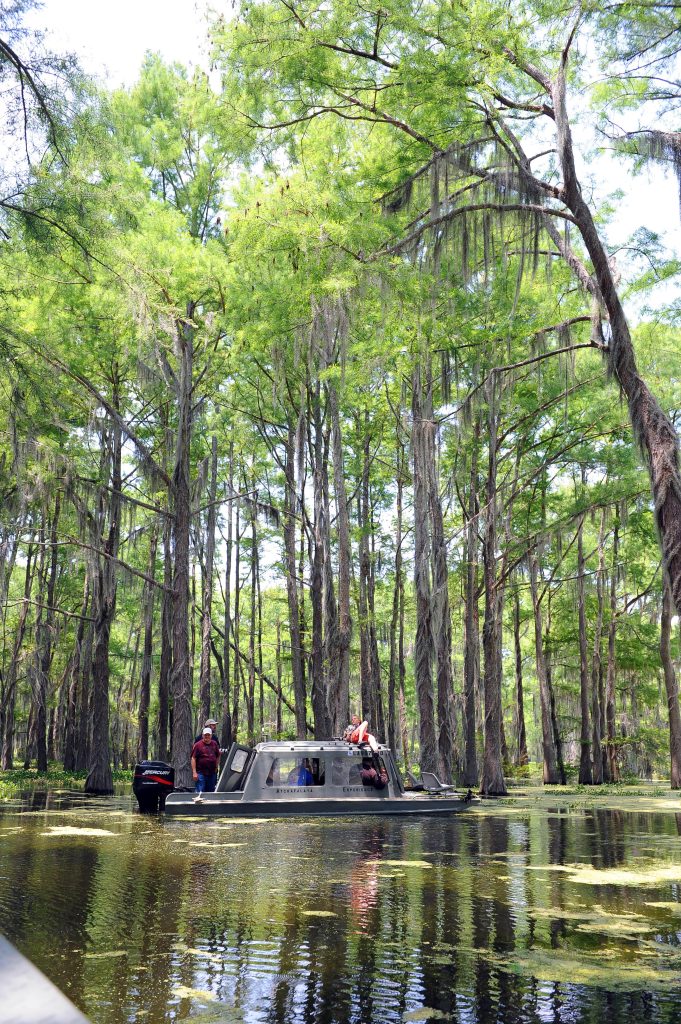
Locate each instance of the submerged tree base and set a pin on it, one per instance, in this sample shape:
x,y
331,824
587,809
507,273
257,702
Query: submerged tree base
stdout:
x,y
18,780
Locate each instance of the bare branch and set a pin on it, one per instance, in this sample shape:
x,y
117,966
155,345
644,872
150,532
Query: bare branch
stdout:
x,y
24,73
526,362
529,69
360,53
474,208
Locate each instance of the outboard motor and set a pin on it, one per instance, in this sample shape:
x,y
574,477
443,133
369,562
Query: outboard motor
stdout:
x,y
151,783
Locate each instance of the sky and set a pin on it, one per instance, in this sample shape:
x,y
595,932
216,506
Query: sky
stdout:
x,y
111,36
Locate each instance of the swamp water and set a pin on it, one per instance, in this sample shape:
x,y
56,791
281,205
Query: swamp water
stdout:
x,y
535,909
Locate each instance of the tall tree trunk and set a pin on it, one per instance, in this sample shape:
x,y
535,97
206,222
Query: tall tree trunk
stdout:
x,y
73,681
33,666
236,621
471,637
550,771
84,709
394,620
250,704
401,666
192,631
378,711
339,668
653,429
181,675
404,729
147,651
585,776
370,668
226,723
422,416
279,674
492,770
99,778
207,597
304,653
672,688
330,603
126,700
166,662
522,758
44,641
366,680
442,621
10,691
290,511
611,753
320,543
261,688
596,665
9,546
562,778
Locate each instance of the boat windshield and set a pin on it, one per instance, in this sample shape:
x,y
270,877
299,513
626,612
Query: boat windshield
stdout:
x,y
331,770
296,771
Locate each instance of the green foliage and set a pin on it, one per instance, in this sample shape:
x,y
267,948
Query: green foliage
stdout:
x,y
185,209
14,783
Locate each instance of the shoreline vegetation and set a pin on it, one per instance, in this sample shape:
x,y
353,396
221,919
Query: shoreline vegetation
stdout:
x,y
530,788
18,780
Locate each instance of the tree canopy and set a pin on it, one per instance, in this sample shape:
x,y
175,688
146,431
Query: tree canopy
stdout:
x,y
324,388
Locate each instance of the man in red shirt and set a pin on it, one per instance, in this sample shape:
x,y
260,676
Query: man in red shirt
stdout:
x,y
205,758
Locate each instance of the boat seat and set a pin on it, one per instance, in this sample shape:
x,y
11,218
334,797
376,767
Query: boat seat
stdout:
x,y
433,784
413,782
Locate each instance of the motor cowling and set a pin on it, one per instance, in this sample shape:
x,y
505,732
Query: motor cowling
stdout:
x,y
151,783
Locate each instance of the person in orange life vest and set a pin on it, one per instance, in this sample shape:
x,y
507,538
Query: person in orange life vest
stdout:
x,y
358,732
205,757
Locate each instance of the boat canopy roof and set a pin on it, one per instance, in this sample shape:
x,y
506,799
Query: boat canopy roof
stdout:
x,y
311,748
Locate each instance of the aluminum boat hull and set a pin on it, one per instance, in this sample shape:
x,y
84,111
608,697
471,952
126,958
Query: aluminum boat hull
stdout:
x,y
219,805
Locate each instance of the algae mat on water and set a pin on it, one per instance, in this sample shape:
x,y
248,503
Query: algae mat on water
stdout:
x,y
647,875
604,969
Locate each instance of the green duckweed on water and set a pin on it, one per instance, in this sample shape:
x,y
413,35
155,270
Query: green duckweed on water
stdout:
x,y
598,970
164,920
72,830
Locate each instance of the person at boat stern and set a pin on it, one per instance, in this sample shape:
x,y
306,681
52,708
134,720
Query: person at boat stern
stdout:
x,y
373,775
205,758
211,724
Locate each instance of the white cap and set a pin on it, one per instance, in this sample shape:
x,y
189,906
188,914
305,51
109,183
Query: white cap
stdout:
x,y
207,730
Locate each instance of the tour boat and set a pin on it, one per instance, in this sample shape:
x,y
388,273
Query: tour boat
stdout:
x,y
320,777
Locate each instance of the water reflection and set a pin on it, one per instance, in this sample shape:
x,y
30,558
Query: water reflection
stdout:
x,y
499,915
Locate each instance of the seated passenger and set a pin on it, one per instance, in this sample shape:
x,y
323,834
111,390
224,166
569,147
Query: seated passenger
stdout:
x,y
301,775
377,777
358,732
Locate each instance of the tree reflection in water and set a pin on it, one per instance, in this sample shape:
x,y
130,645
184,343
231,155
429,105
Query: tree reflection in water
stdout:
x,y
482,917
